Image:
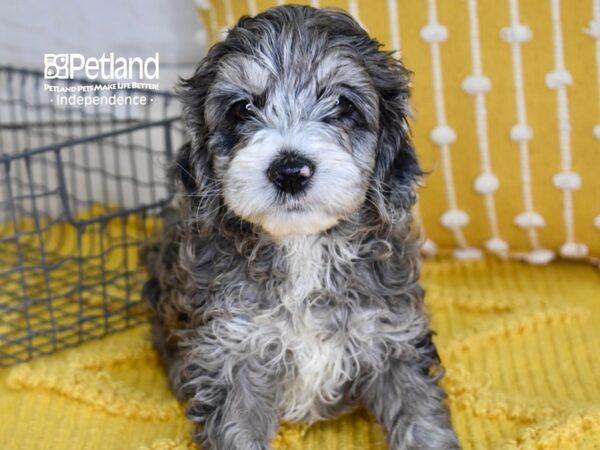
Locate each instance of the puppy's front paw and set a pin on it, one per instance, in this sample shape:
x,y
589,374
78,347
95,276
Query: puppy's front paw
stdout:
x,y
258,446
430,436
247,445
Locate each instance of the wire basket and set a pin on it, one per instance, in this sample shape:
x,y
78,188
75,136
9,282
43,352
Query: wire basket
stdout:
x,y
81,189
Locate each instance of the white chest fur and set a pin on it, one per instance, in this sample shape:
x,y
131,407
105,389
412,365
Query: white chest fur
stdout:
x,y
305,265
318,357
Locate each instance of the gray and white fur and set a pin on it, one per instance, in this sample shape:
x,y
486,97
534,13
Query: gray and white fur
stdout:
x,y
286,289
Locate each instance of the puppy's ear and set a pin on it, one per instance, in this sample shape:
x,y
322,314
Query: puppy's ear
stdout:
x,y
183,171
396,168
193,166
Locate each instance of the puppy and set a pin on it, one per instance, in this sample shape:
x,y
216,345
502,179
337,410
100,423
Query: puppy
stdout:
x,y
286,289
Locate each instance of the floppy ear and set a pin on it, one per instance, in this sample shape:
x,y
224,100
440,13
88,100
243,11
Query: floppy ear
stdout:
x,y
396,168
192,171
193,166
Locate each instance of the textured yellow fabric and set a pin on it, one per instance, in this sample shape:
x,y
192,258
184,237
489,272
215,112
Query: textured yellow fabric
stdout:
x,y
101,257
520,344
540,101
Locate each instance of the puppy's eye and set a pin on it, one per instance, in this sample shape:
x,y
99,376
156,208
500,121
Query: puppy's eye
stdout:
x,y
344,106
242,110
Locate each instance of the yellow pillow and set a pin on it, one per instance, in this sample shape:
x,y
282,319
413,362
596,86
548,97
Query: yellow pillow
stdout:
x,y
506,100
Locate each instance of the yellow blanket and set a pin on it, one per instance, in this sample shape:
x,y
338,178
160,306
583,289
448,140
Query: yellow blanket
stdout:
x,y
520,344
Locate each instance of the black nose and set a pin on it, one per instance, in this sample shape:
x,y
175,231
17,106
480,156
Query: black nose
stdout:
x,y
290,172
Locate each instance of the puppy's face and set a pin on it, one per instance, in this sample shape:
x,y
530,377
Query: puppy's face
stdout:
x,y
297,120
293,149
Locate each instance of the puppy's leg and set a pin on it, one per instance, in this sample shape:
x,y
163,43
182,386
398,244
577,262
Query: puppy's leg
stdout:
x,y
408,403
233,407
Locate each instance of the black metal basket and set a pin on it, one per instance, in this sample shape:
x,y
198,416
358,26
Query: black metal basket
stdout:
x,y
81,189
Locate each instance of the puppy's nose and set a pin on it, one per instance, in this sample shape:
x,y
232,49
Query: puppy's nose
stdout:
x,y
290,172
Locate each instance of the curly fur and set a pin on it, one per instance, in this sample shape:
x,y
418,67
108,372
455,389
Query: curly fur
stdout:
x,y
289,309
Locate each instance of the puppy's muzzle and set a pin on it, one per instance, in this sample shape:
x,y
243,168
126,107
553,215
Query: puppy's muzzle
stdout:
x,y
290,172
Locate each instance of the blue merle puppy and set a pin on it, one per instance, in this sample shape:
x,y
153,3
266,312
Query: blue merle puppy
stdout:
x,y
286,289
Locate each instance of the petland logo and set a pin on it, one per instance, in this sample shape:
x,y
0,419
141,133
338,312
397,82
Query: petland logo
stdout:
x,y
66,66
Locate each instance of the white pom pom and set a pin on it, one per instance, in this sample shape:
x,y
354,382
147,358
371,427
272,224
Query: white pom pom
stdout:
x,y
573,250
567,180
558,78
521,133
455,218
486,183
202,4
443,134
429,248
515,34
597,132
496,245
467,254
593,29
434,32
223,32
540,256
597,221
476,84
529,219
